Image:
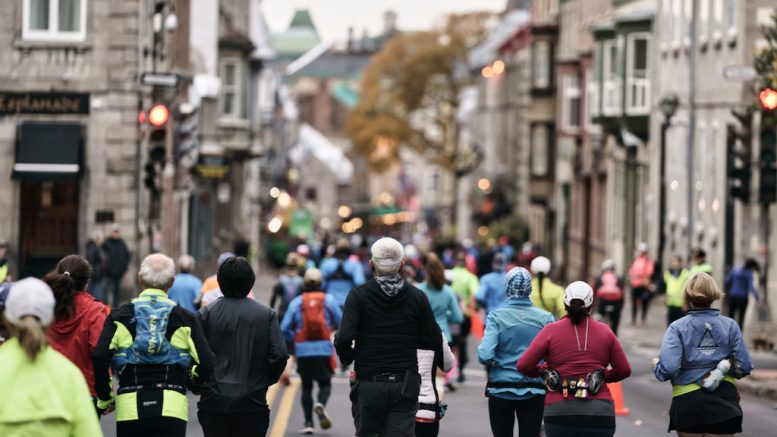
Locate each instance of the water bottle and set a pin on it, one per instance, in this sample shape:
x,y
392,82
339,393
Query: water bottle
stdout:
x,y
712,381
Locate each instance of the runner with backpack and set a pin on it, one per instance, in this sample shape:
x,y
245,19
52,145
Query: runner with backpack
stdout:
x,y
608,289
309,322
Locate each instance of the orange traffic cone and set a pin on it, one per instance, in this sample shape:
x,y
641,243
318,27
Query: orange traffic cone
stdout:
x,y
617,396
478,327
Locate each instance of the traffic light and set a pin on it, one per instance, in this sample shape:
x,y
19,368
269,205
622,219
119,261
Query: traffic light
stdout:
x,y
738,152
767,163
186,124
768,99
158,117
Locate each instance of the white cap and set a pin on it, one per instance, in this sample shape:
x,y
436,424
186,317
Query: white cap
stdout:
x,y
387,252
30,297
642,247
540,265
608,264
579,290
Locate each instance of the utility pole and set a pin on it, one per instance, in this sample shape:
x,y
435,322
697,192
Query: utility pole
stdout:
x,y
691,125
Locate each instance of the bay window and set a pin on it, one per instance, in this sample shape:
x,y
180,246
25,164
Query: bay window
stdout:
x,y
638,73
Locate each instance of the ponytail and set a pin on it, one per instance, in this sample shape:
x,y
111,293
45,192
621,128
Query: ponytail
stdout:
x,y
577,311
69,277
541,281
31,336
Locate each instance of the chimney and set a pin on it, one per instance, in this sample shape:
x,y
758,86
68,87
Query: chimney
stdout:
x,y
389,22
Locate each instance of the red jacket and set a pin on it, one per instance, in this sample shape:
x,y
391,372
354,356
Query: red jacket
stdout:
x,y
558,346
76,337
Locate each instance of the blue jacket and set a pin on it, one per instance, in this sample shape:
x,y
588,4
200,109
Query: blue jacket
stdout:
x,y
695,344
491,294
509,331
445,307
185,290
292,324
739,283
339,288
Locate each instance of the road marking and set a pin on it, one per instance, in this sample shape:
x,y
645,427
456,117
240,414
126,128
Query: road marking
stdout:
x,y
284,409
271,392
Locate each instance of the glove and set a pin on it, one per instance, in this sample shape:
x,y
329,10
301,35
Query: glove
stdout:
x,y
552,379
595,381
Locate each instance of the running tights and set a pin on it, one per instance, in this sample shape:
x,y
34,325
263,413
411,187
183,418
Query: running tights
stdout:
x,y
503,413
324,390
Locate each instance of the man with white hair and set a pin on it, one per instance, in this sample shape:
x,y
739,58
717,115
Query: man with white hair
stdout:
x,y
384,322
154,347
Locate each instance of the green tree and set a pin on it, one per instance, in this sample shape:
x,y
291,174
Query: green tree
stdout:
x,y
409,93
766,60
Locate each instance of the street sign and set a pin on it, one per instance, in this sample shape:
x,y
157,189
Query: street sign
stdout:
x,y
739,73
168,80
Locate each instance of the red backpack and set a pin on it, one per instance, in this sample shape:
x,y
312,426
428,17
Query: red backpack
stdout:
x,y
609,289
314,326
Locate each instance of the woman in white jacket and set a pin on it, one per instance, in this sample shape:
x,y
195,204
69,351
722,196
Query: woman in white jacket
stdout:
x,y
430,410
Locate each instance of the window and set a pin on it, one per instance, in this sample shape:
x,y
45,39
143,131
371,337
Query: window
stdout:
x,y
611,81
541,65
231,83
717,16
638,74
540,150
592,96
677,23
570,106
54,20
668,22
688,13
704,20
732,13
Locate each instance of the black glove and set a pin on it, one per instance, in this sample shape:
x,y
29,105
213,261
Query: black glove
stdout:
x,y
736,369
595,380
552,379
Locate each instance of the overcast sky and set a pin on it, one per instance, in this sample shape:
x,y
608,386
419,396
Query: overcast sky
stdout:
x,y
333,17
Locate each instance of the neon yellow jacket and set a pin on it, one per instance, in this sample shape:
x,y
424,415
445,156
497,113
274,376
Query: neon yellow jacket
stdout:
x,y
47,397
674,288
552,297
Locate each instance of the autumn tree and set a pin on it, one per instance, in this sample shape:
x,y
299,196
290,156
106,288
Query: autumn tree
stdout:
x,y
409,93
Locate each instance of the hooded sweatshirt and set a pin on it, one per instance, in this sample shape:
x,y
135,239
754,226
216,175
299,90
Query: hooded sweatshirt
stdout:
x,y
76,337
388,329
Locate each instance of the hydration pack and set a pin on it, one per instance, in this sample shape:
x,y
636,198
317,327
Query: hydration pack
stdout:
x,y
314,326
609,290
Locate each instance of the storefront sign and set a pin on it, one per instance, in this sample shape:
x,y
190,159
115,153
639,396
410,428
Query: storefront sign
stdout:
x,y
212,167
12,103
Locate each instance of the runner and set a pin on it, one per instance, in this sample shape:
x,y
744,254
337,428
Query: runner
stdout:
x,y
578,352
545,293
641,281
78,316
340,273
509,331
44,394
674,282
465,284
491,294
309,322
702,354
609,294
430,409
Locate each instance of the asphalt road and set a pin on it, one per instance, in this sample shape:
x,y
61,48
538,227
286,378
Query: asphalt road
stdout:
x,y
647,399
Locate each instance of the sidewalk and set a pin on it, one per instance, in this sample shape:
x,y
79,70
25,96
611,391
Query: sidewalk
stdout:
x,y
762,382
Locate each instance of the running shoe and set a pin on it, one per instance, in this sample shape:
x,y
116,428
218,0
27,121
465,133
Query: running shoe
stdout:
x,y
307,429
323,419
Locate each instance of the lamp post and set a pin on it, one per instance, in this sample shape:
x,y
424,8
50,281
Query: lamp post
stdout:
x,y
668,107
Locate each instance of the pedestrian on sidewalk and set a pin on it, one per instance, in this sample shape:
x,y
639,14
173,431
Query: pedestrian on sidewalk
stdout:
x,y
430,409
385,322
674,282
491,293
740,284
465,284
153,346
445,305
578,352
44,394
641,280
98,261
608,289
186,287
702,355
249,352
78,317
308,323
545,293
115,248
509,331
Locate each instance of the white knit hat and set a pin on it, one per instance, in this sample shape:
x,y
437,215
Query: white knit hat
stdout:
x,y
30,297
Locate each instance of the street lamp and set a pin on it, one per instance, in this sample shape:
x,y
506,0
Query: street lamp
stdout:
x,y
668,106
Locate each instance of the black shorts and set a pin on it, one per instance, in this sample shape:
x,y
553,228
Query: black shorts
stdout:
x,y
701,411
315,368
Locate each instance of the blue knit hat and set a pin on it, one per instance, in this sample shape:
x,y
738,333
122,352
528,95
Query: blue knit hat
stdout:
x,y
518,283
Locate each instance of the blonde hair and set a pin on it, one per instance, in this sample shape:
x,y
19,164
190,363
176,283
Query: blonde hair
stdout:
x,y
701,290
31,335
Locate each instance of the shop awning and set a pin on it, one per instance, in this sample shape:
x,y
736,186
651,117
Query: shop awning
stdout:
x,y
48,151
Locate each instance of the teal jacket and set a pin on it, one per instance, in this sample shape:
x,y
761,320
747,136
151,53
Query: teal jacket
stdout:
x,y
445,307
509,331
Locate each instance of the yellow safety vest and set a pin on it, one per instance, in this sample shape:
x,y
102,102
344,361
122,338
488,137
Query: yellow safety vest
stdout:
x,y
674,288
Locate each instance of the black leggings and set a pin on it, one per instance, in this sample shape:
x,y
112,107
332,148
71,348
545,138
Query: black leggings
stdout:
x,y
427,429
151,427
324,390
737,306
503,413
641,295
615,315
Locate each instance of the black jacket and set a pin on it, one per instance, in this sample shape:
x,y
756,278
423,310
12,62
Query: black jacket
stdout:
x,y
118,256
387,330
249,351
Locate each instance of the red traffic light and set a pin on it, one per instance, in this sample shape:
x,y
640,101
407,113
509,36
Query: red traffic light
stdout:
x,y
768,99
158,115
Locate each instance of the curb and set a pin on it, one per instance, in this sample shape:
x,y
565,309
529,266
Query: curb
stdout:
x,y
758,388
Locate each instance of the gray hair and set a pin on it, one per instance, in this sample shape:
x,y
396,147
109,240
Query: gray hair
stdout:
x,y
157,271
387,256
186,263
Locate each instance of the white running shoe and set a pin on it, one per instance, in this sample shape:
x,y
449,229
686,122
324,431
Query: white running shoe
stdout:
x,y
323,419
